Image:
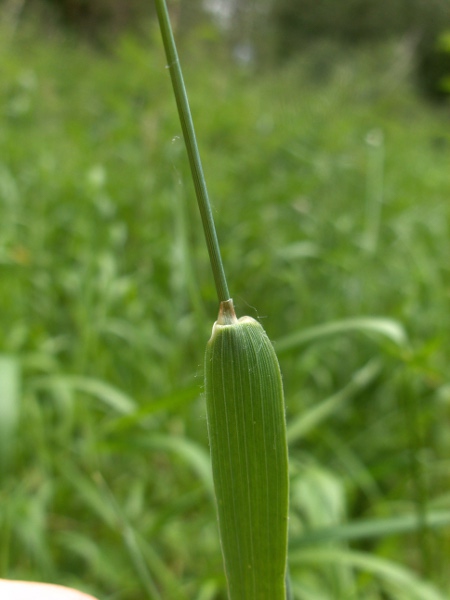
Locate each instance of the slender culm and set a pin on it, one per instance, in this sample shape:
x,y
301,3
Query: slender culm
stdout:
x,y
193,153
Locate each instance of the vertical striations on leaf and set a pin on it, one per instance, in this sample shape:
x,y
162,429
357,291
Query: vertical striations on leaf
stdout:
x,y
247,432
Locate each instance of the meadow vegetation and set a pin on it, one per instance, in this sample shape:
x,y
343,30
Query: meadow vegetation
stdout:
x,y
330,184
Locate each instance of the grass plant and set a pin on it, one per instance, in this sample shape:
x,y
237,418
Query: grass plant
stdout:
x,y
106,485
245,410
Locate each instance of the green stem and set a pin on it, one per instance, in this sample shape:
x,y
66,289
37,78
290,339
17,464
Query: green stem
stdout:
x,y
187,126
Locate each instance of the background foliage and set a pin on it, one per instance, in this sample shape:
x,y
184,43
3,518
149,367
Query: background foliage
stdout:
x,y
330,185
271,31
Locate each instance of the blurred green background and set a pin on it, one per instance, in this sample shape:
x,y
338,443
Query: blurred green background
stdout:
x,y
324,131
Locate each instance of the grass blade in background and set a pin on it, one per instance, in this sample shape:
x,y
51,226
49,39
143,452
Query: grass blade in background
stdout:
x,y
109,395
190,452
374,200
370,529
387,328
9,406
302,424
397,581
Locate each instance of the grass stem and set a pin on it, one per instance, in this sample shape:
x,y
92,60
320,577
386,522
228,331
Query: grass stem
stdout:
x,y
190,140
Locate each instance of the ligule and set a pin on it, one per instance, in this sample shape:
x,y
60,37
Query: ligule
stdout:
x,y
247,433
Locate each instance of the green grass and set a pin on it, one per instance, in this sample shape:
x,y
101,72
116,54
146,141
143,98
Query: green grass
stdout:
x,y
107,302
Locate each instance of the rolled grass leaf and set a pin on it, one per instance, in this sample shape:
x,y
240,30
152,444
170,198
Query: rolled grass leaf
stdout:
x,y
247,433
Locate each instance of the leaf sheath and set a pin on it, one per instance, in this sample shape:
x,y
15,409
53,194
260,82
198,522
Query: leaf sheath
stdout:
x,y
247,432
